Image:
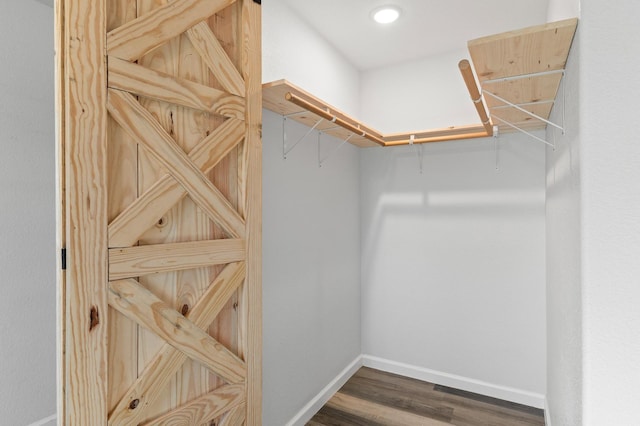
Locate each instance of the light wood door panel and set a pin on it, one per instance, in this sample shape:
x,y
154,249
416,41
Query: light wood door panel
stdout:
x,y
159,211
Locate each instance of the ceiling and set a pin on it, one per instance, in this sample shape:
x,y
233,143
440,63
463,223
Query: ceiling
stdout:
x,y
425,28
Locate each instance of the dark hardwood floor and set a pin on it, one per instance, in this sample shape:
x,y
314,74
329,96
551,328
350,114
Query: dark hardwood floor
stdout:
x,y
376,398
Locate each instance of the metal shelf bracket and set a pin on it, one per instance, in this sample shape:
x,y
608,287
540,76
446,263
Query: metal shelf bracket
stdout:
x,y
419,151
519,107
285,149
321,160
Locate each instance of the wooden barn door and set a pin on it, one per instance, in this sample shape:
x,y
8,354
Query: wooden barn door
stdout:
x,y
159,178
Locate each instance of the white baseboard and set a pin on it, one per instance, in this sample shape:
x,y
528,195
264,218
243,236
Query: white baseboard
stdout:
x,y
530,399
313,406
451,380
47,421
547,414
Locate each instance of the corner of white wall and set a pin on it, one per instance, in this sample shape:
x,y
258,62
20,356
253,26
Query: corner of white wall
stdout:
x,y
317,402
518,396
563,9
318,68
409,84
47,421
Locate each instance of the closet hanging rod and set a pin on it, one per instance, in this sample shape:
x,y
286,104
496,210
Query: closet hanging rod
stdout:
x,y
327,116
476,96
437,135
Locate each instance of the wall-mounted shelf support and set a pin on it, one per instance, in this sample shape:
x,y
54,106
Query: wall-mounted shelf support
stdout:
x,y
286,150
521,130
288,100
524,111
321,160
496,132
520,107
522,76
527,67
352,127
419,151
524,104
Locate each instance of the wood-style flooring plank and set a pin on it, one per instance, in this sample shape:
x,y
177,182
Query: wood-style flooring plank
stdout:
x,y
329,416
415,399
376,398
377,413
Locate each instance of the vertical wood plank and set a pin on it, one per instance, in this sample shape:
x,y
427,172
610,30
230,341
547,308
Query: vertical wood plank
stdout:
x,y
191,127
251,72
222,24
166,230
185,222
85,149
122,162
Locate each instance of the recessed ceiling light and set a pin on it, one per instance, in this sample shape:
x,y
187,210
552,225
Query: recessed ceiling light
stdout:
x,y
386,14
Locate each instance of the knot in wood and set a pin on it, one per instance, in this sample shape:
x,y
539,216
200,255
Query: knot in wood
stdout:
x,y
134,404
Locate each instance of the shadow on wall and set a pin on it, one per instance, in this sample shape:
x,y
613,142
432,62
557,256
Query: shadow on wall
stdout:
x,y
462,181
461,244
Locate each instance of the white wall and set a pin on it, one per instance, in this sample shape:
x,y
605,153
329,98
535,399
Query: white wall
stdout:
x,y
453,262
293,51
311,234
610,174
562,9
311,267
27,214
424,94
563,249
594,378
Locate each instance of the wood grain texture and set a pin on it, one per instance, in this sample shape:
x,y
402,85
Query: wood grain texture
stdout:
x,y
204,408
123,190
274,92
185,221
523,91
152,259
84,121
252,320
213,54
168,360
532,89
529,50
140,305
235,417
147,131
149,208
523,52
305,108
142,81
376,398
184,107
512,115
223,25
326,114
150,30
372,412
437,135
476,97
167,229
